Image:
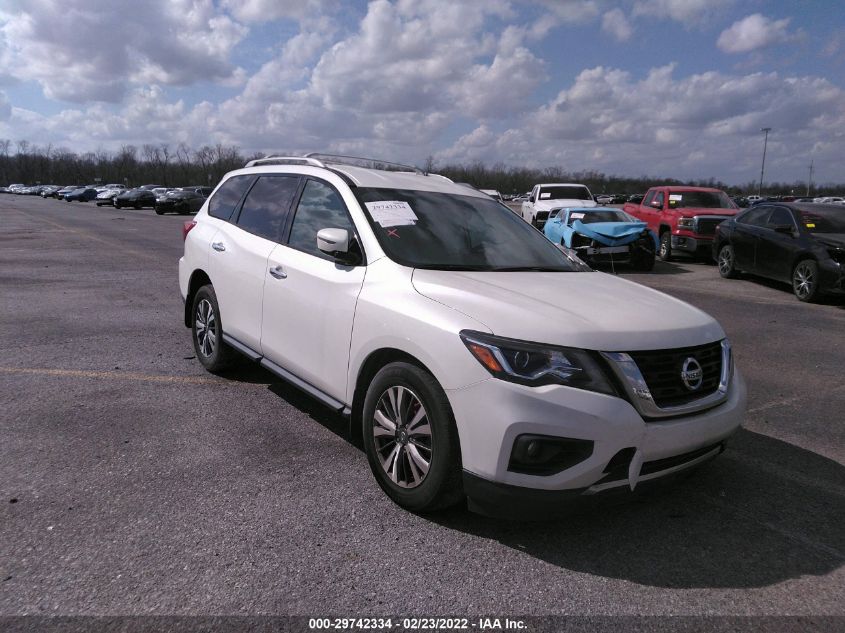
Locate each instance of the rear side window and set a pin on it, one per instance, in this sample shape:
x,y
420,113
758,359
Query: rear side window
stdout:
x,y
227,197
320,207
267,206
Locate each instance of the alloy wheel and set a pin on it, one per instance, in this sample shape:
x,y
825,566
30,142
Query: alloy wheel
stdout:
x,y
402,436
206,327
804,280
725,261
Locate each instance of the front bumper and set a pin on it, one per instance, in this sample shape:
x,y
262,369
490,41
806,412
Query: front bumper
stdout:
x,y
692,244
491,414
831,276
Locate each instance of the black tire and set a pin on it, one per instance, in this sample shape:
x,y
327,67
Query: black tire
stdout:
x,y
665,250
727,262
441,485
805,281
117,205
159,211
137,205
213,353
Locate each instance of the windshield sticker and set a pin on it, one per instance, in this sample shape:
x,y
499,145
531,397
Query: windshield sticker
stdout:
x,y
545,196
811,225
392,213
576,216
676,197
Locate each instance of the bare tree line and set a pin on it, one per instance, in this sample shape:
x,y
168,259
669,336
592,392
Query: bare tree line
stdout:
x,y
131,165
175,165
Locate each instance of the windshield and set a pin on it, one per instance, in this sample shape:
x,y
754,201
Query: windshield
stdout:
x,y
591,217
441,231
565,192
824,220
700,200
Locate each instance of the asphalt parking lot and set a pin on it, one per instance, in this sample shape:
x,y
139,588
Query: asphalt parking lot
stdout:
x,y
132,482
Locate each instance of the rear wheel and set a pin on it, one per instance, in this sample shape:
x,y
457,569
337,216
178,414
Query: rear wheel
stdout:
x,y
411,440
207,332
137,205
727,262
805,281
159,211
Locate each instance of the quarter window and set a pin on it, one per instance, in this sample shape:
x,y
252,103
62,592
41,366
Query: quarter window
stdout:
x,y
223,203
267,206
320,207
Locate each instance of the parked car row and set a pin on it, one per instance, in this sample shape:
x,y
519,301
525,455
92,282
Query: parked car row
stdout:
x,y
163,199
801,243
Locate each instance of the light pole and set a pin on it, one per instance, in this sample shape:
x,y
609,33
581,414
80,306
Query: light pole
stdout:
x,y
763,166
810,179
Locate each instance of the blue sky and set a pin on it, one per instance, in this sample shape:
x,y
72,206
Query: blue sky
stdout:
x,y
674,88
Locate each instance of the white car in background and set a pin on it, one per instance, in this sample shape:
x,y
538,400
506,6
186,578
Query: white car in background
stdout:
x,y
476,358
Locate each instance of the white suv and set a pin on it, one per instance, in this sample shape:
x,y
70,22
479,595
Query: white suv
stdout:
x,y
477,360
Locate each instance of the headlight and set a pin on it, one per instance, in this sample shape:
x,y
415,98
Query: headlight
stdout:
x,y
536,365
685,223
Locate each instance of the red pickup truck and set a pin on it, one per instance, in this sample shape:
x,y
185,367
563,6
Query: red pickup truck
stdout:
x,y
685,218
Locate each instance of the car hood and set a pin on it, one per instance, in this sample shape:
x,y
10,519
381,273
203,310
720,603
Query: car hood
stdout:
x,y
831,239
548,205
610,233
589,310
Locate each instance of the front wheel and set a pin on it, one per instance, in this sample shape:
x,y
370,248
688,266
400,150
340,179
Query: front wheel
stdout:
x,y
665,250
207,332
805,281
159,211
411,440
727,262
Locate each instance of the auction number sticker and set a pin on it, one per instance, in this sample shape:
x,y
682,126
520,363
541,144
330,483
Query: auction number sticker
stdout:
x,y
392,213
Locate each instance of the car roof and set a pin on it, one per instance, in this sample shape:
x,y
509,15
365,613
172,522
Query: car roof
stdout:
x,y
562,184
372,178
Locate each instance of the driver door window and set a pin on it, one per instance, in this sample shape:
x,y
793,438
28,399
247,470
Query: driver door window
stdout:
x,y
320,207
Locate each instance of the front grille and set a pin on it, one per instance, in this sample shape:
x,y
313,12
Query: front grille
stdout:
x,y
541,218
706,225
661,370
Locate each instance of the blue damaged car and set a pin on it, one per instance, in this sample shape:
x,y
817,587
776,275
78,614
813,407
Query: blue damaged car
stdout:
x,y
601,235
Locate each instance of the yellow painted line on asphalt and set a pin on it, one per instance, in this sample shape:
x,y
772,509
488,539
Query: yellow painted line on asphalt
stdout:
x,y
89,236
117,375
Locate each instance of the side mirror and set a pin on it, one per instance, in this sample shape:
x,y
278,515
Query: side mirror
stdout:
x,y
333,241
787,229
338,244
656,204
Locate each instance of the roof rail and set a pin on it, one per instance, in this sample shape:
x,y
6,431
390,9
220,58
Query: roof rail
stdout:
x,y
375,162
286,160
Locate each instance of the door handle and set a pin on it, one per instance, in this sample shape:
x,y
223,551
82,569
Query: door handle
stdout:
x,y
218,246
278,272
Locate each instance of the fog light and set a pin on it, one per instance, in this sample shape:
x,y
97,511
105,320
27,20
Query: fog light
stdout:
x,y
546,454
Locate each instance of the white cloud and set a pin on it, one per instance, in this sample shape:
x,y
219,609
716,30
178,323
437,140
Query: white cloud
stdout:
x,y
5,107
753,32
616,24
269,10
696,126
688,12
84,50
